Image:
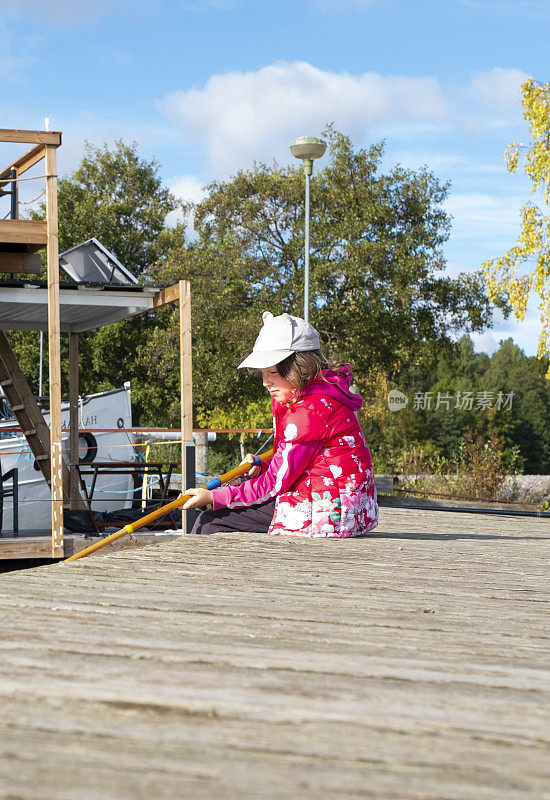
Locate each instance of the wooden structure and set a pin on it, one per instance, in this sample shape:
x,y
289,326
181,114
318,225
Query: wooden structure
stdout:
x,y
138,469
411,663
19,241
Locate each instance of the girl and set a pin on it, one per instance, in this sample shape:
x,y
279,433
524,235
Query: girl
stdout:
x,y
319,481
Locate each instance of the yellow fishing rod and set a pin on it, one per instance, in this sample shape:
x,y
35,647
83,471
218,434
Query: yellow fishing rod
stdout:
x,y
177,503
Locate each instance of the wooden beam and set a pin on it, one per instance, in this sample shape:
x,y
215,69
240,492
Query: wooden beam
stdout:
x,y
29,263
54,350
186,386
23,231
73,420
25,547
35,545
167,295
30,137
186,362
24,162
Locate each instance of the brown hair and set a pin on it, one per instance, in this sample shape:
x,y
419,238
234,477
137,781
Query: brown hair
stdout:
x,y
302,367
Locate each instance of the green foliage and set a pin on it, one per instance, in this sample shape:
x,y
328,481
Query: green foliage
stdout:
x,y
225,319
255,414
507,285
379,295
434,436
377,269
119,199
474,474
377,292
223,456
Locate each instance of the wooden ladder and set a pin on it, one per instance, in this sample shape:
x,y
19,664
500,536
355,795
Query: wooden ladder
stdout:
x,y
29,416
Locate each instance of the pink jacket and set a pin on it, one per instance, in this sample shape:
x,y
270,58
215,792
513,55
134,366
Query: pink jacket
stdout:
x,y
320,471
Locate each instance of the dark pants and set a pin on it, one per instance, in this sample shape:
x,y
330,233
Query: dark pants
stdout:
x,y
254,519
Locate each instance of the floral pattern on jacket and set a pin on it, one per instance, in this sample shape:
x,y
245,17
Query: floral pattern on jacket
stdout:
x,y
320,472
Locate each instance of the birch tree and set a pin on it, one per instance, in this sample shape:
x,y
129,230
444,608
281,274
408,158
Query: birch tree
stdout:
x,y
525,268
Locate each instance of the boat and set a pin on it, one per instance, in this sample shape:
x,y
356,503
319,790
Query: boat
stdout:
x,y
106,410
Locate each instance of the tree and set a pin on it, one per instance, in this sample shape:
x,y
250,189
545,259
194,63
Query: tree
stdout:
x,y
526,427
519,422
226,314
379,294
505,284
119,198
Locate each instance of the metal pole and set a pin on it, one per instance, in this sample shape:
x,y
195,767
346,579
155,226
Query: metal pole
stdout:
x,y
41,363
14,198
306,254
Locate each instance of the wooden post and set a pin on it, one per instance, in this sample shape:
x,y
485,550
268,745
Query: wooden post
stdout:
x,y
73,419
201,451
54,350
186,386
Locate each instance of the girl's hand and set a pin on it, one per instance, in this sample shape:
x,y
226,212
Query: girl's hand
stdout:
x,y
201,497
255,471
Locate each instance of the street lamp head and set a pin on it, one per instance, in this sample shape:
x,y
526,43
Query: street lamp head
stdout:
x,y
307,148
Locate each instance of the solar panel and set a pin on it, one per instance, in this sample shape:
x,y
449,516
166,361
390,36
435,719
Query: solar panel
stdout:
x,y
91,262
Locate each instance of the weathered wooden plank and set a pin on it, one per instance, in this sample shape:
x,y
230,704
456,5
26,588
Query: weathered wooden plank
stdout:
x,y
167,295
54,354
186,384
23,231
39,546
30,137
27,263
24,162
412,663
186,365
25,547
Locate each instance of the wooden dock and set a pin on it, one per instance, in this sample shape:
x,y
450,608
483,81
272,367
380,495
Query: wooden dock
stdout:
x,y
37,545
411,664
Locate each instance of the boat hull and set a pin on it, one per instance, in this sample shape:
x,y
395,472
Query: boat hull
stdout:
x,y
111,410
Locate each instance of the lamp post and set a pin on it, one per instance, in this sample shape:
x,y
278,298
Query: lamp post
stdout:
x,y
307,148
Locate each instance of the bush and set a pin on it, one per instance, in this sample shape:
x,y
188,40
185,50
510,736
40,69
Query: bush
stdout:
x,y
482,467
475,472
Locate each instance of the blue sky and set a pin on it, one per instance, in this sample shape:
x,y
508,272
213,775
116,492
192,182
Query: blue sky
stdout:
x,y
207,86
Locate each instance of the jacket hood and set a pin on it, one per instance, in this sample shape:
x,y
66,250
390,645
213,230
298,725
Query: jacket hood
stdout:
x,y
335,384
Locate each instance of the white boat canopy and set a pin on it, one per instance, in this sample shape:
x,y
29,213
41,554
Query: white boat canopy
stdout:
x,y
83,307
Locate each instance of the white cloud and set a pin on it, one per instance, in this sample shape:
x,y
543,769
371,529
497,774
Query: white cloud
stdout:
x,y
498,90
239,117
525,333
187,188
484,342
446,162
17,54
191,190
453,269
483,216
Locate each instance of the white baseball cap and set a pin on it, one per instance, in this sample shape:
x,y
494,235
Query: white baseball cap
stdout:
x,y
279,338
